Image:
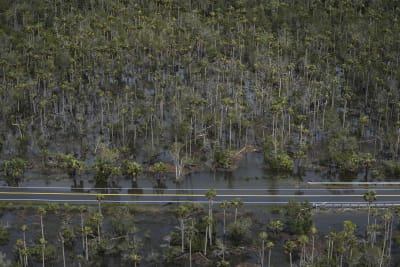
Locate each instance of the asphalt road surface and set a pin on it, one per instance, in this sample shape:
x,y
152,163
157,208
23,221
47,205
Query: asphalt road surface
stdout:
x,y
318,195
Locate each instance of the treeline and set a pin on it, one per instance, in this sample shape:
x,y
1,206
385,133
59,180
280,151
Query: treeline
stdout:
x,y
206,76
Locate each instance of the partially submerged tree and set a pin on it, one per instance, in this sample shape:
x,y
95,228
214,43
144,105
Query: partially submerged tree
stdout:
x,y
299,217
13,170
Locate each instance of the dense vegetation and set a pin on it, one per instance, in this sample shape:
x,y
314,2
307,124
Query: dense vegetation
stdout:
x,y
201,78
190,234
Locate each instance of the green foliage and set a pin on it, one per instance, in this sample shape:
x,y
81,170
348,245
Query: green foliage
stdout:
x,y
4,235
22,145
69,236
4,262
132,169
206,75
278,161
104,171
159,169
70,164
240,231
281,162
50,252
342,151
123,221
390,168
299,217
222,158
14,169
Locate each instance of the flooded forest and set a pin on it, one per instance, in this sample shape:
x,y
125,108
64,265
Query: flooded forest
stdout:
x,y
170,94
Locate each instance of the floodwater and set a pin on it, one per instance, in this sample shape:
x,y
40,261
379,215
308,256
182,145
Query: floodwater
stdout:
x,y
251,173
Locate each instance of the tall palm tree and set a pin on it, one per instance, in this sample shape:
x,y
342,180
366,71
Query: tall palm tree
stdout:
x,y
20,247
207,221
387,218
24,228
62,247
275,226
236,203
191,232
303,240
263,238
182,211
99,198
270,245
210,194
331,240
369,197
135,258
98,218
133,169
87,231
224,205
43,242
82,209
313,233
290,246
42,212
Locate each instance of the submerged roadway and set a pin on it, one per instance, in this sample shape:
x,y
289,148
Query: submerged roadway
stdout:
x,y
317,194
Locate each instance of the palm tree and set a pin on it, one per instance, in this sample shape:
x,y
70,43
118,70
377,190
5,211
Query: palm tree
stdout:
x,y
135,258
275,226
82,209
182,211
42,212
331,239
99,198
221,248
133,169
24,228
62,247
20,248
263,238
87,231
369,197
387,219
222,263
207,221
236,203
303,240
290,246
98,218
191,232
270,245
43,242
224,205
210,194
313,233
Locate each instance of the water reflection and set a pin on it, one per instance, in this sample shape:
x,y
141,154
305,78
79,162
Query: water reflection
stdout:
x,y
75,187
244,177
135,189
159,187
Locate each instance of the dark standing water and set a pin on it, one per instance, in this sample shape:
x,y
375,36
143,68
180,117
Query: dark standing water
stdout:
x,y
250,174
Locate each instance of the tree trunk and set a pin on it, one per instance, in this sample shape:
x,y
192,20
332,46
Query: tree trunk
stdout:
x,y
262,254
205,242
83,234
224,222
269,258
182,235
63,252
190,252
86,248
312,250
